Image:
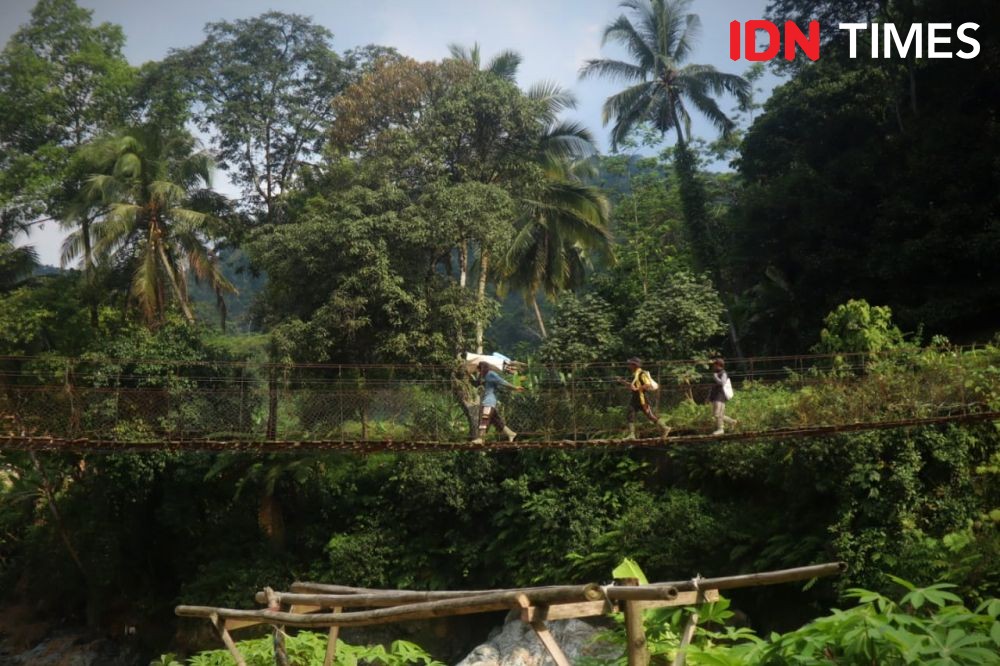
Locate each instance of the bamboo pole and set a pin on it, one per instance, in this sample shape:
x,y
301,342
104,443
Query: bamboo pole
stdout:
x,y
688,634
482,603
655,592
762,578
333,589
388,598
331,643
227,640
635,633
544,635
280,653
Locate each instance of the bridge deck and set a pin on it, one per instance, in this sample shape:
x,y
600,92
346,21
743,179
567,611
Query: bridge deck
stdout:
x,y
91,445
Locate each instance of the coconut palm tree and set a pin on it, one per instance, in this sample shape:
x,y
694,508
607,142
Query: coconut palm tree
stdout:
x,y
146,179
564,224
659,37
565,219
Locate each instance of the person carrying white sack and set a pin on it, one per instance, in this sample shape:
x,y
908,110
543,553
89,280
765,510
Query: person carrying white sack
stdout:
x,y
488,413
721,392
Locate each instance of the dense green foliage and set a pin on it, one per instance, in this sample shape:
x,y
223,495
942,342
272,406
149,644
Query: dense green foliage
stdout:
x,y
309,648
876,180
926,625
387,208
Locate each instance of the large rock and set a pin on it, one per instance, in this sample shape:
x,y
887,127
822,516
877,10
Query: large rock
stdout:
x,y
71,649
516,644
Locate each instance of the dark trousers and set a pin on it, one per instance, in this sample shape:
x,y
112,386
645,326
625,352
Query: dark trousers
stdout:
x,y
638,403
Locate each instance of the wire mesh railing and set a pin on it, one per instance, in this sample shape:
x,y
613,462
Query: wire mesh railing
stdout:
x,y
148,400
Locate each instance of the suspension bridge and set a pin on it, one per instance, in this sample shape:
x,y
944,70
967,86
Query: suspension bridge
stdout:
x,y
115,404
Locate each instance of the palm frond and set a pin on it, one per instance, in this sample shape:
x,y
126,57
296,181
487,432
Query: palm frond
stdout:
x,y
196,169
687,38
72,247
100,187
128,165
568,140
710,109
627,108
615,70
16,264
554,99
165,192
648,15
623,32
188,221
710,79
504,64
117,225
464,54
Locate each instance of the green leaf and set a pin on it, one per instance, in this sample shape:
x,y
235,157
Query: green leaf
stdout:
x,y
630,569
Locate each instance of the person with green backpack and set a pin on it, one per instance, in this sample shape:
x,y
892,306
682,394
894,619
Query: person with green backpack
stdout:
x,y
641,383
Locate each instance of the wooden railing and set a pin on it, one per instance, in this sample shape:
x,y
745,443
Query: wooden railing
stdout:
x,y
322,606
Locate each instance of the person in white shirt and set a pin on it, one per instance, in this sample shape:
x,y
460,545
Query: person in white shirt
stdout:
x,y
718,397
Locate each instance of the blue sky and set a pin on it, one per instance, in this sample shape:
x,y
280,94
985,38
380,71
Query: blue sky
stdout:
x,y
553,36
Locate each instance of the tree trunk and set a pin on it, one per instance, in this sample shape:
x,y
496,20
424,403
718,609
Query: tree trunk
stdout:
x,y
681,143
463,264
635,218
88,270
271,520
734,337
538,316
696,221
172,279
484,265
50,500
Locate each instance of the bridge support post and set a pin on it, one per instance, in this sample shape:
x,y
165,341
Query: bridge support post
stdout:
x,y
635,633
331,641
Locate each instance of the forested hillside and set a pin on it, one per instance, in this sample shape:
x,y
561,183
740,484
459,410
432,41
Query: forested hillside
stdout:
x,y
396,213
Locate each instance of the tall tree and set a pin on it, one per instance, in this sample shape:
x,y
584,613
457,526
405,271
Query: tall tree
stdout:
x,y
563,218
660,36
148,178
565,222
63,81
901,214
263,88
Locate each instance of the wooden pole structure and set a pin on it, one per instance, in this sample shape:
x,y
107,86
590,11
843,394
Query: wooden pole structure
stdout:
x,y
483,603
280,653
302,587
763,578
395,598
331,642
688,634
227,640
636,592
544,635
537,604
635,632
